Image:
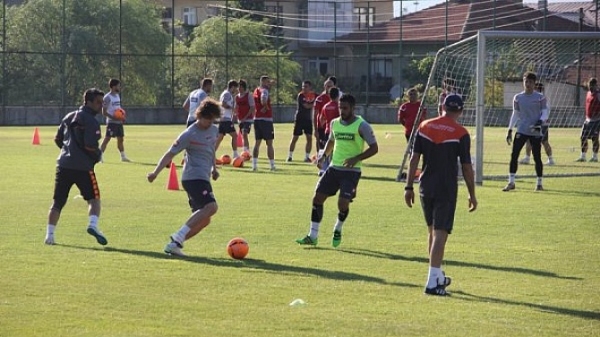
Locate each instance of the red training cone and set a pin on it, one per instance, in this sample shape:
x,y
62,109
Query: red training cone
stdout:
x,y
240,139
173,183
36,137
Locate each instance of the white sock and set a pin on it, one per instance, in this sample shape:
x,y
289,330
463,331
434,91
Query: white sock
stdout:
x,y
50,230
434,275
181,233
511,178
235,154
539,180
93,221
254,162
338,225
307,155
272,162
290,154
314,230
582,155
123,154
595,155
247,149
526,157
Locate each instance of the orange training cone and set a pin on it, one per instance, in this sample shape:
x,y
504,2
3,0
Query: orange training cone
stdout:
x,y
173,183
240,139
36,137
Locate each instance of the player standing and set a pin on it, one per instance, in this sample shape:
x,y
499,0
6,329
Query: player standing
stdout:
x,y
263,122
77,137
591,126
349,133
408,111
226,126
530,111
303,120
440,140
539,87
114,127
192,102
244,108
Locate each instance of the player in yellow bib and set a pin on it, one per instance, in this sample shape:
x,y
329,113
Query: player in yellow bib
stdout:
x,y
345,145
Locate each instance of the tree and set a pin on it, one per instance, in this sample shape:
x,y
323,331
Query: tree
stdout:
x,y
248,54
52,63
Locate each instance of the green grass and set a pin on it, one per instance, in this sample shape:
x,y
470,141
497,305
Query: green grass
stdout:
x,y
524,264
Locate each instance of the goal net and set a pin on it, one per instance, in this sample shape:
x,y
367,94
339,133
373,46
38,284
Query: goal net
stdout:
x,y
487,70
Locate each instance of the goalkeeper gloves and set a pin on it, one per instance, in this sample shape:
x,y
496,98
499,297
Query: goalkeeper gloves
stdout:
x,y
509,137
537,127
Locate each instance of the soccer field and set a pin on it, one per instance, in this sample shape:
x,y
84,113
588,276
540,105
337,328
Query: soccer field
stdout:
x,y
524,264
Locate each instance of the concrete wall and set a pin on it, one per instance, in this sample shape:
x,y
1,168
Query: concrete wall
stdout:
x,y
376,114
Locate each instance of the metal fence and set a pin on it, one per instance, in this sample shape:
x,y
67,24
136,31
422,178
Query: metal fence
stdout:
x,y
52,50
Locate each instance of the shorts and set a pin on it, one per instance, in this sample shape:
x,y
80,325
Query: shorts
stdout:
x,y
245,127
334,180
545,133
439,213
114,130
303,126
590,130
226,127
199,193
84,180
263,130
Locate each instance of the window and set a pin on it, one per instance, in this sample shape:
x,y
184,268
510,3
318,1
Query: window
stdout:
x,y
167,13
366,16
189,16
319,64
276,11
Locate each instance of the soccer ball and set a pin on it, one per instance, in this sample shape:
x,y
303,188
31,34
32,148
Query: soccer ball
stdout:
x,y
246,155
237,248
119,114
238,162
226,159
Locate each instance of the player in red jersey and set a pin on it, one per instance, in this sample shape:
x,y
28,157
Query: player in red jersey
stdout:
x,y
263,122
408,111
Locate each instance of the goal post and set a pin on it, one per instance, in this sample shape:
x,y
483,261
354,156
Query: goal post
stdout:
x,y
487,69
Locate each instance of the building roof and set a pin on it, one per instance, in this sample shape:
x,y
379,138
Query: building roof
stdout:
x,y
570,10
463,18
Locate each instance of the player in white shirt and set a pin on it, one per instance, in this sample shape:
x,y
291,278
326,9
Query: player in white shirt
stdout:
x,y
192,102
226,126
114,127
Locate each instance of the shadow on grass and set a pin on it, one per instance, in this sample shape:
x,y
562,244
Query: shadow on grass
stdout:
x,y
249,263
544,308
542,273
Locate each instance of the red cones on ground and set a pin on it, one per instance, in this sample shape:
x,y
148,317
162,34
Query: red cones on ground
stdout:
x,y
36,137
173,183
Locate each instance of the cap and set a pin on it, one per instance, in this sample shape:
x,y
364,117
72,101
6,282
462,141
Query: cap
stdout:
x,y
453,102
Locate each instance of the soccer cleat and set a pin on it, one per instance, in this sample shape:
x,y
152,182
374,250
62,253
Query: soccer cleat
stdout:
x,y
440,290
580,160
125,159
289,159
172,248
524,160
307,241
273,169
307,160
550,162
539,188
336,239
49,240
508,187
95,232
447,281
593,160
